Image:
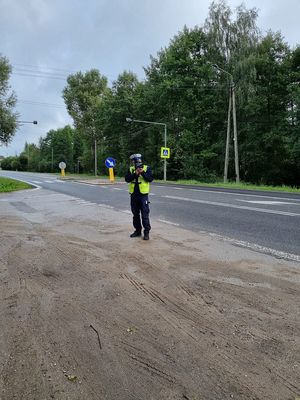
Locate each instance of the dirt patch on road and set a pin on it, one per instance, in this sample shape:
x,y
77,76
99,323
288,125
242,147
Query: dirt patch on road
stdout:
x,y
88,313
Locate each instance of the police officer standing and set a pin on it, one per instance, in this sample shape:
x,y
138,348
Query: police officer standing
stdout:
x,y
139,177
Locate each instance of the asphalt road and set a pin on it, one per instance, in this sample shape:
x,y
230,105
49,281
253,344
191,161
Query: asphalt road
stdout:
x,y
263,221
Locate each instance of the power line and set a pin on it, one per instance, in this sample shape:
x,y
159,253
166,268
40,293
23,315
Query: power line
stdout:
x,y
38,72
40,103
39,76
35,71
47,68
50,70
183,87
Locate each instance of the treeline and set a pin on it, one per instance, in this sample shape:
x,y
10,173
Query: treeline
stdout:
x,y
58,145
183,89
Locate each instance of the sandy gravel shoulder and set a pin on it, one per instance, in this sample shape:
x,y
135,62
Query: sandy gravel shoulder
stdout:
x,y
88,313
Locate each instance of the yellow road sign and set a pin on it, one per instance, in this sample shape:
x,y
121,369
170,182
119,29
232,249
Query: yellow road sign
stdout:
x,y
164,152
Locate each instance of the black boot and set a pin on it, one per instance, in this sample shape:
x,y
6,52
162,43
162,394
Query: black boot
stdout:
x,y
146,236
136,234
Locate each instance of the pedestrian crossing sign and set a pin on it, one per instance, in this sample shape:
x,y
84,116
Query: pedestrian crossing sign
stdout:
x,y
164,152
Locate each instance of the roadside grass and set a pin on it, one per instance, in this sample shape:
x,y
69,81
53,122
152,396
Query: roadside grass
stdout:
x,y
10,185
234,185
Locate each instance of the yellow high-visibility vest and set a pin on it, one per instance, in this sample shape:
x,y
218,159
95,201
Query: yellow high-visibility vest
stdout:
x,y
144,186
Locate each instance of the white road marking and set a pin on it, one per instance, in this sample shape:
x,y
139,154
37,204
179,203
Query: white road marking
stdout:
x,y
49,181
256,247
117,189
98,185
214,203
152,194
125,211
238,194
105,206
66,196
37,182
81,183
267,202
168,222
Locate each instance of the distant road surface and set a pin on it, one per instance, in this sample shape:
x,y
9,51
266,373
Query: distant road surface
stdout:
x,y
264,221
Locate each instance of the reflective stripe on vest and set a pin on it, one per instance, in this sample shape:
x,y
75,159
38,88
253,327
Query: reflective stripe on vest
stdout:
x,y
144,186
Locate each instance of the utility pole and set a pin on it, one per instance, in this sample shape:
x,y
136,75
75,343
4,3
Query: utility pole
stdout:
x,y
51,159
236,154
27,156
236,151
93,130
227,139
95,157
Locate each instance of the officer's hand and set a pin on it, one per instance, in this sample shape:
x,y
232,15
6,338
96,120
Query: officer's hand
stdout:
x,y
139,170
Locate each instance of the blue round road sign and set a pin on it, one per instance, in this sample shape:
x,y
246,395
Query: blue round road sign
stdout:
x,y
110,162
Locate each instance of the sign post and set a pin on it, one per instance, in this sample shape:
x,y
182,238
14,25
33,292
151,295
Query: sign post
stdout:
x,y
62,167
111,174
110,163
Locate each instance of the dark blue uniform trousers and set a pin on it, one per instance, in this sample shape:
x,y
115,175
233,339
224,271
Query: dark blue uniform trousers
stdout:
x,y
140,206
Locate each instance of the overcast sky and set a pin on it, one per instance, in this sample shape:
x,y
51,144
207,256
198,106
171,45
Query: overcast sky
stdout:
x,y
45,40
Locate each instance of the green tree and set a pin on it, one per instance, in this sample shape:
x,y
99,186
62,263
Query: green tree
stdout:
x,y
30,157
293,119
8,117
83,96
23,162
182,92
62,144
78,149
264,127
233,40
57,146
122,102
7,163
